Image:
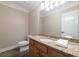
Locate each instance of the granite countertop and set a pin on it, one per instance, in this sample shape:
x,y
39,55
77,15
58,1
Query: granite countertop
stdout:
x,y
73,47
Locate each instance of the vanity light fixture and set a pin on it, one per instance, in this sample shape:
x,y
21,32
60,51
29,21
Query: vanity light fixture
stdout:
x,y
42,5
56,4
47,8
51,2
62,2
49,5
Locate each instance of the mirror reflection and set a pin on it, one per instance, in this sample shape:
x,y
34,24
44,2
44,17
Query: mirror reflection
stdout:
x,y
60,18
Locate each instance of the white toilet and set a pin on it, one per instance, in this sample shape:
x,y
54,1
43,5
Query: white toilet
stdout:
x,y
23,46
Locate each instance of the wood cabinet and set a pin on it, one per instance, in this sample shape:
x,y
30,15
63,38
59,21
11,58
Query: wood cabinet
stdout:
x,y
54,53
41,47
37,49
33,51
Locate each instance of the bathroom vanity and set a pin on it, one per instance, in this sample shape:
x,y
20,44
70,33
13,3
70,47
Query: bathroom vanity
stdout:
x,y
43,48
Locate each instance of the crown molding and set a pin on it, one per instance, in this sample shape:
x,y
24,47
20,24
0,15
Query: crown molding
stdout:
x,y
14,6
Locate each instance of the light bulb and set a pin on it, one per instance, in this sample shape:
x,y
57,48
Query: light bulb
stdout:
x,y
62,2
42,6
46,3
56,4
51,6
47,8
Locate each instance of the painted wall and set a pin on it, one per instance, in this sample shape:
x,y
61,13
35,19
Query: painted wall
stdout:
x,y
34,21
13,26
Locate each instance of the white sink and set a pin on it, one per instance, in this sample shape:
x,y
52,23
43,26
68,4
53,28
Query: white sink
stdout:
x,y
47,40
59,42
43,37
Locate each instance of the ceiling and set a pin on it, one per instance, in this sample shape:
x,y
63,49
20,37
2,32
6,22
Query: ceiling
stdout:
x,y
26,6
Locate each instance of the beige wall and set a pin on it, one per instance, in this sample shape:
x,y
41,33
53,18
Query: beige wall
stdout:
x,y
13,26
51,24
34,21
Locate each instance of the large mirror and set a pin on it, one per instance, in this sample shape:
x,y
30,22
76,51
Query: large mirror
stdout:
x,y
60,18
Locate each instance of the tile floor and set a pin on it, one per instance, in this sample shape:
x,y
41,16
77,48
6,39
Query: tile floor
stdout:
x,y
13,53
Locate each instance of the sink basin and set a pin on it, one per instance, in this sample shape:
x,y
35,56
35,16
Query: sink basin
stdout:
x,y
43,37
47,40
59,42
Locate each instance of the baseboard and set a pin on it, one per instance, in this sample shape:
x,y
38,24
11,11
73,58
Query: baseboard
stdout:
x,y
8,48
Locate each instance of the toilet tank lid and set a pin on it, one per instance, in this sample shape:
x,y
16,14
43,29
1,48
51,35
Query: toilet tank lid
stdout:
x,y
23,42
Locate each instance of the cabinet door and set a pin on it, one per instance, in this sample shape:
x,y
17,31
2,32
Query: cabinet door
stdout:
x,y
36,52
54,53
43,54
41,47
33,51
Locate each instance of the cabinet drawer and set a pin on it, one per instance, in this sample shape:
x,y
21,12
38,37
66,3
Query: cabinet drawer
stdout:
x,y
53,53
41,47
